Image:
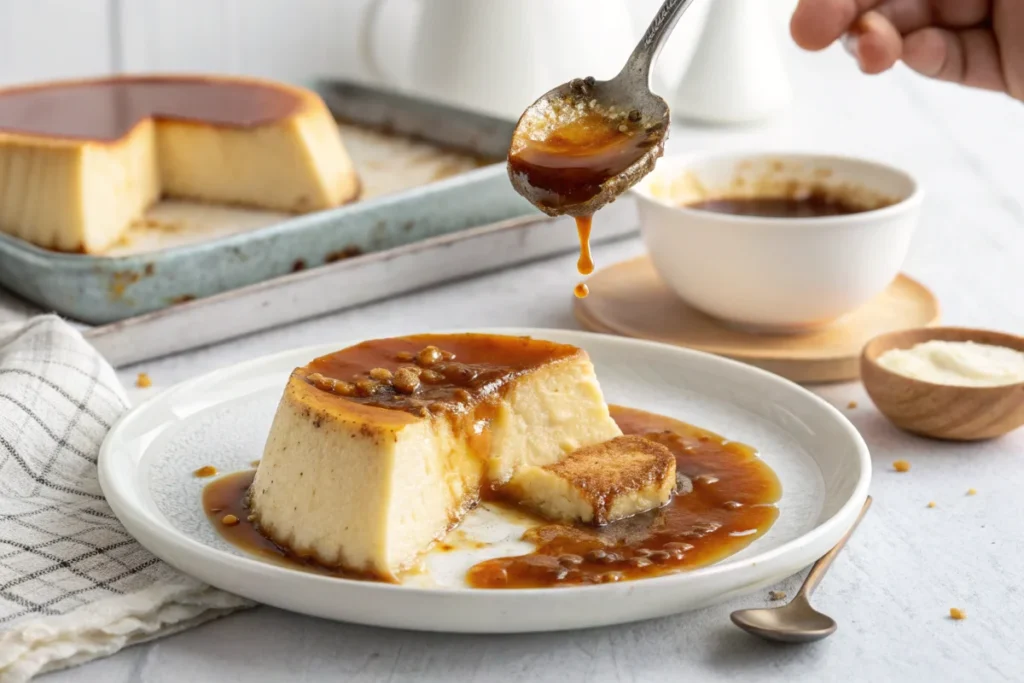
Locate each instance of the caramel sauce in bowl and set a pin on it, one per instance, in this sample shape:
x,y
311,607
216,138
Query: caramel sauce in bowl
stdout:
x,y
777,243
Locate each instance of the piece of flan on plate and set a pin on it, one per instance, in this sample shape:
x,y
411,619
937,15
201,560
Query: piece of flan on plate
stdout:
x,y
379,449
81,160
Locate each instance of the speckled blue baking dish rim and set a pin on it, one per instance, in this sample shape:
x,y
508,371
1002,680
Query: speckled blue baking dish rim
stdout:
x,y
101,289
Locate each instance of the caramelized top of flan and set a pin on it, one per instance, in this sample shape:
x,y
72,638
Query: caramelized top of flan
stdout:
x,y
430,374
106,110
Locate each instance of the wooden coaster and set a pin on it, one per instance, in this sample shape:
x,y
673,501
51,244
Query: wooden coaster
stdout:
x,y
629,299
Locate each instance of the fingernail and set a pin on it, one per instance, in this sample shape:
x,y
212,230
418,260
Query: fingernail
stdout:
x,y
851,44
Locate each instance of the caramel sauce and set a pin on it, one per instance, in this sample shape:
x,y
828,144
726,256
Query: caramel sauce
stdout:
x,y
108,109
585,263
815,205
205,471
463,370
567,164
731,504
228,495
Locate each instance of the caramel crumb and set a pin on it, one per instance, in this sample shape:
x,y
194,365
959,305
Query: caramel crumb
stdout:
x,y
143,381
229,520
957,613
851,405
776,595
381,374
901,466
366,387
429,355
406,381
971,492
206,471
431,376
931,503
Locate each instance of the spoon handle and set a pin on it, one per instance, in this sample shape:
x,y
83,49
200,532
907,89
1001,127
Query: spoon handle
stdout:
x,y
638,67
820,567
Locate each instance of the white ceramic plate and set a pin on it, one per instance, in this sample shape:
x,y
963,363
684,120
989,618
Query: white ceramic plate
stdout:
x,y
223,418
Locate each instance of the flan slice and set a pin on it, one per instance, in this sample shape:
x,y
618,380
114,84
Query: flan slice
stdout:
x,y
599,484
79,161
379,449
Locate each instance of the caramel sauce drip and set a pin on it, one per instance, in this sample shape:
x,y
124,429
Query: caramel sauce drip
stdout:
x,y
585,263
108,109
731,504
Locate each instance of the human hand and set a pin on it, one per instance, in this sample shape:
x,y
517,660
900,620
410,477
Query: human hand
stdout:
x,y
978,43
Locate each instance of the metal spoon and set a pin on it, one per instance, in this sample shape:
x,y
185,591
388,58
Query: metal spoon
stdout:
x,y
629,91
798,622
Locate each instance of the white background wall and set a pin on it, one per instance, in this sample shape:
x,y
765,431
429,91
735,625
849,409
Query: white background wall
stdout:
x,y
286,39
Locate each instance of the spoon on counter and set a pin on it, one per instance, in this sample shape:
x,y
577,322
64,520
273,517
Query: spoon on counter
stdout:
x,y
585,142
798,622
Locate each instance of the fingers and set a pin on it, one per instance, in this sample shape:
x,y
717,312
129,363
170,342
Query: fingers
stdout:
x,y
816,24
911,15
875,42
962,13
970,57
1008,19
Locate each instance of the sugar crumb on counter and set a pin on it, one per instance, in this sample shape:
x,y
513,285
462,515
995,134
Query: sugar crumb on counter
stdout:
x,y
851,405
971,492
776,595
143,381
901,466
957,613
931,503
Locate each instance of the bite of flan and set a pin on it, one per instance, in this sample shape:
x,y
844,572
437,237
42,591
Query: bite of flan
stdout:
x,y
600,483
81,160
376,451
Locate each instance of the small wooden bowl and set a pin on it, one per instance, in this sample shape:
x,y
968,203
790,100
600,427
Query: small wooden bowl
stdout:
x,y
941,411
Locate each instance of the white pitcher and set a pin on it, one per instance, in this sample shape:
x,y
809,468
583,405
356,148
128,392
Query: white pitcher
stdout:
x,y
737,73
498,56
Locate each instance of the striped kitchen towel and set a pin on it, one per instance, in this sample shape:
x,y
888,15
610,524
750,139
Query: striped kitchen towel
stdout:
x,y
74,585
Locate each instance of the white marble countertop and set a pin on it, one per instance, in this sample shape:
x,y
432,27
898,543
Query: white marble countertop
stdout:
x,y
890,591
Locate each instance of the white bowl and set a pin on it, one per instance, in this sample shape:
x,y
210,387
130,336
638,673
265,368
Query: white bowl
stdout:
x,y
777,275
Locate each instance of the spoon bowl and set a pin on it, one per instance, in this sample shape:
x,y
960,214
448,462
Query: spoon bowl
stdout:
x,y
617,96
796,622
